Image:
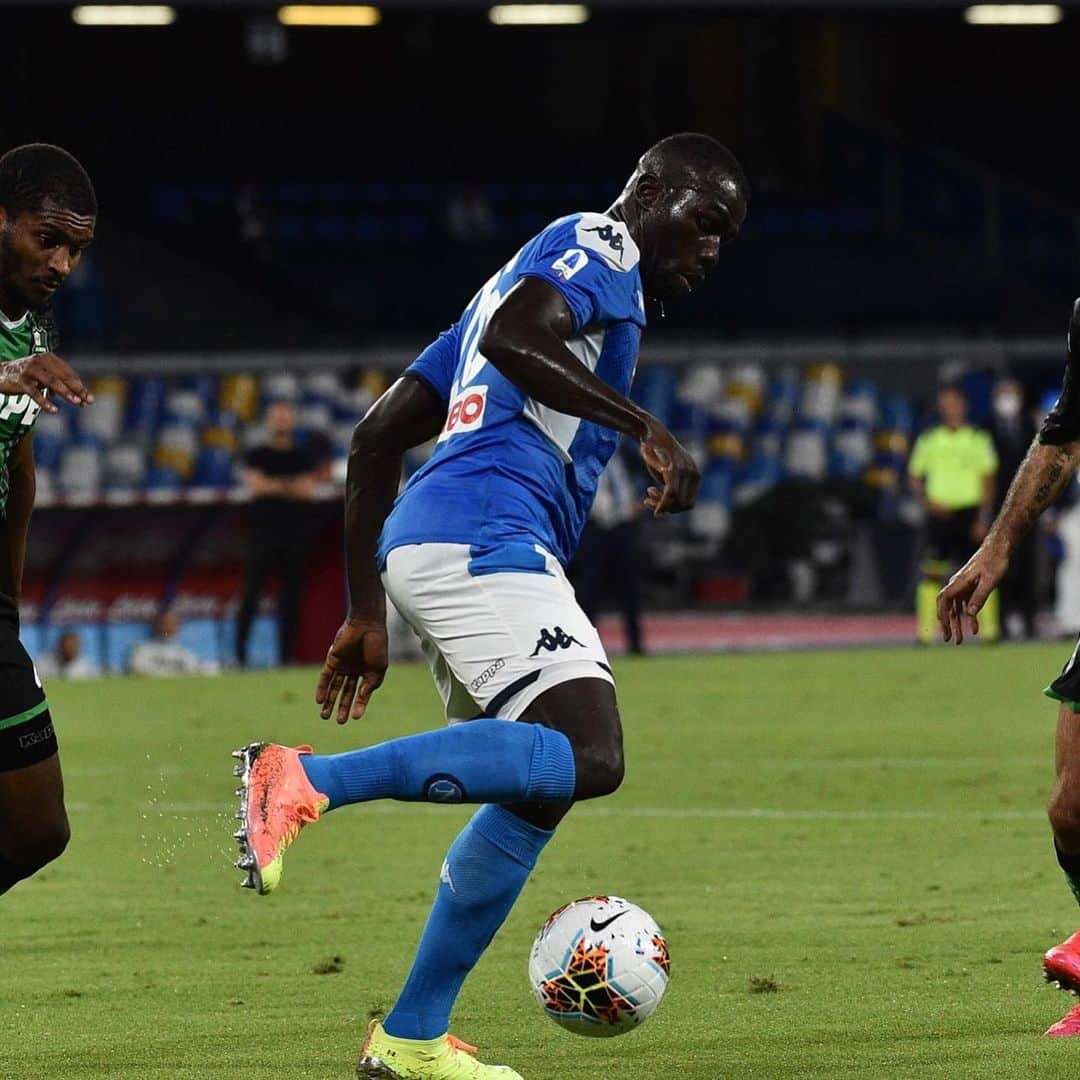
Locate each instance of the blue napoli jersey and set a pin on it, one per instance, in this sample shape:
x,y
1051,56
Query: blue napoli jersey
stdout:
x,y
507,470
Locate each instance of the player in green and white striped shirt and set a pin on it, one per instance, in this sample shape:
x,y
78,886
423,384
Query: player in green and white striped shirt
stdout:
x,y
47,214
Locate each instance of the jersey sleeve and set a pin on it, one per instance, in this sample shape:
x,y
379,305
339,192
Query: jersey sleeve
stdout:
x,y
593,263
917,462
990,458
435,366
1062,423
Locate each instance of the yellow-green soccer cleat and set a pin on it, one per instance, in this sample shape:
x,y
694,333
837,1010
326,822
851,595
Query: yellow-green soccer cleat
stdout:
x,y
387,1058
276,802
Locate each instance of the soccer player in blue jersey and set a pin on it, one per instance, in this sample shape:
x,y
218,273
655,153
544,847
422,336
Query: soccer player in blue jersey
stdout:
x,y
527,396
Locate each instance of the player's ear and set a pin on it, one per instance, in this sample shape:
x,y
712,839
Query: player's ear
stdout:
x,y
3,217
649,190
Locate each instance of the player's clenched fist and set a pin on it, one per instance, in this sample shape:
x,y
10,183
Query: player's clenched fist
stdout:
x,y
36,374
354,669
670,464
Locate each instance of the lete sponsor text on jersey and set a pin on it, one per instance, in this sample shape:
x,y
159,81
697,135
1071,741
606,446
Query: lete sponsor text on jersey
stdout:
x,y
466,412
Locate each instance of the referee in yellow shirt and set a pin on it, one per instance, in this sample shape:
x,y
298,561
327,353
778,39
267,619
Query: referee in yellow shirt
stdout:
x,y
953,469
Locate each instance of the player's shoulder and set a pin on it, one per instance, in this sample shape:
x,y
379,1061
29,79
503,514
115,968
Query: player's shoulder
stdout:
x,y
599,234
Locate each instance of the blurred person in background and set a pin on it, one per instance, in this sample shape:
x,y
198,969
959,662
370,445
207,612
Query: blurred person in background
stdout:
x,y
162,654
952,470
1012,429
48,212
607,554
282,475
67,661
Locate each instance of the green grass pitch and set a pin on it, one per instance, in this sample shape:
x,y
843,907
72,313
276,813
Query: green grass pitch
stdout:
x,y
846,850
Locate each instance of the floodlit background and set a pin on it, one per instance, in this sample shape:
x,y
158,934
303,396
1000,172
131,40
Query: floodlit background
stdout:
x,y
292,211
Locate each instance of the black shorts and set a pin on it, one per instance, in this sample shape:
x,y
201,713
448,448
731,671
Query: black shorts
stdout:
x,y
948,539
26,728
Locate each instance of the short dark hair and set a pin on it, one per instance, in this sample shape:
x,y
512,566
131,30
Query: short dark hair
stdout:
x,y
37,173
694,153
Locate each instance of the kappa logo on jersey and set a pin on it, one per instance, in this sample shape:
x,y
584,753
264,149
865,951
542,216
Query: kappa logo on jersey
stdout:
x,y
550,641
610,237
466,412
573,261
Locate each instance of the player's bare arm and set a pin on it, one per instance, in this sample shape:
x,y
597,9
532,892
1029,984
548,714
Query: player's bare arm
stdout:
x,y
526,341
1050,464
1040,480
14,525
407,415
41,372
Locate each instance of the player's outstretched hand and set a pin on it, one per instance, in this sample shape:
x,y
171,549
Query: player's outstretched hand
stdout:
x,y
967,591
35,374
355,668
669,464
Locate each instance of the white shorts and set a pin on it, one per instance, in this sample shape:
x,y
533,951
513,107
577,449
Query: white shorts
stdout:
x,y
498,629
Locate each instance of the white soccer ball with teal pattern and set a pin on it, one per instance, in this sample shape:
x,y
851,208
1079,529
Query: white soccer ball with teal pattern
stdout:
x,y
600,966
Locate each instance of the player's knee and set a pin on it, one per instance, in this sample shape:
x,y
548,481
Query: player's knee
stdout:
x,y
37,847
1064,814
601,769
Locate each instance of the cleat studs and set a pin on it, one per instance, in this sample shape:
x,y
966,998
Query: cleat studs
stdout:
x,y
247,883
238,754
240,834
238,770
245,862
239,792
240,814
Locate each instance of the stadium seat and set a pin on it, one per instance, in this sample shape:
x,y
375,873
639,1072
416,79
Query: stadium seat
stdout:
x,y
711,516
145,400
239,396
213,468
125,466
806,452
281,386
82,470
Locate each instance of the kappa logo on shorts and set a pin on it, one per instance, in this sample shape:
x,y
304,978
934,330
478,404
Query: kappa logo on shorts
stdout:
x,y
550,641
466,412
487,674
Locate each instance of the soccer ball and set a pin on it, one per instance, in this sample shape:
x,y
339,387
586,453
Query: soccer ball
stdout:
x,y
599,966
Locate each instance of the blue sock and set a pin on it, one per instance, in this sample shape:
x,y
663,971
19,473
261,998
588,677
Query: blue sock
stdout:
x,y
483,761
484,872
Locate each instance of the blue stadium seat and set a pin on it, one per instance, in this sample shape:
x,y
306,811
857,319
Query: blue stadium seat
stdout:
x,y
160,478
145,400
213,468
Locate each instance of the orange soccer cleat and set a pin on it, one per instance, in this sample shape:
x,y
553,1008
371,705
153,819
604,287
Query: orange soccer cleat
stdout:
x,y
1061,964
276,801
